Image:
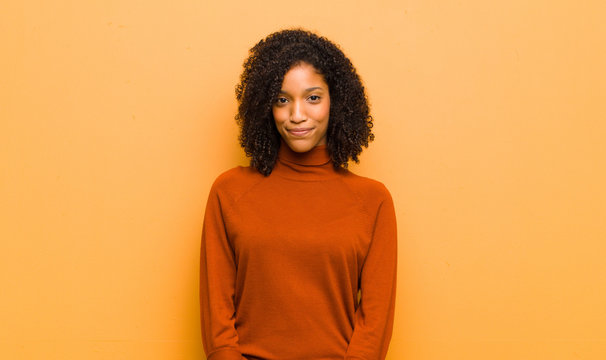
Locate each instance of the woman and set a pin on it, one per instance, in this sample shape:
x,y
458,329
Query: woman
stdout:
x,y
298,255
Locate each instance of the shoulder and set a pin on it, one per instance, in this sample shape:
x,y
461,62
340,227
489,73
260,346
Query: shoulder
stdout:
x,y
236,176
369,190
236,181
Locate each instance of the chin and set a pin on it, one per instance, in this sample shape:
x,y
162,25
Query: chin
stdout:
x,y
300,146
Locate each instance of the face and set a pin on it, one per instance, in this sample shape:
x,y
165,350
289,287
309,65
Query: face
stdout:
x,y
302,108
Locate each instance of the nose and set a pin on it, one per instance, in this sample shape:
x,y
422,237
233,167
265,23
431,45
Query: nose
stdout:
x,y
297,114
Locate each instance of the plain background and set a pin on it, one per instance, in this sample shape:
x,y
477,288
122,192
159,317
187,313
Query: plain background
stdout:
x,y
116,116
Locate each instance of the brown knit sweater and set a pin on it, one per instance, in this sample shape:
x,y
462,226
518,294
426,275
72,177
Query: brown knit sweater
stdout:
x,y
284,256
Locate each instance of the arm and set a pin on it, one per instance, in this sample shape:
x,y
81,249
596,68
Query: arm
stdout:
x,y
374,316
217,286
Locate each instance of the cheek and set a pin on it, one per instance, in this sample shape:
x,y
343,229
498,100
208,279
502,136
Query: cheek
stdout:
x,y
278,115
321,112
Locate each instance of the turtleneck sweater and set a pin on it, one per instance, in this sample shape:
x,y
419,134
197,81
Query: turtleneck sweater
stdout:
x,y
299,264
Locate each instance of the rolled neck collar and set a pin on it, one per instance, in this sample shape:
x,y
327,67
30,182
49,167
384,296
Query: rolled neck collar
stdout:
x,y
312,165
314,157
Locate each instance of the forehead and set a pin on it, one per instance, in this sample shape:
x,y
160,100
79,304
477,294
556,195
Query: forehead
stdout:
x,y
303,75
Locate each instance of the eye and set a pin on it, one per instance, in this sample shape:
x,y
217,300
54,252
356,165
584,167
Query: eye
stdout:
x,y
314,98
281,100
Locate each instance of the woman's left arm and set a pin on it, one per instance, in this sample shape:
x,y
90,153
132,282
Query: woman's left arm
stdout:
x,y
375,313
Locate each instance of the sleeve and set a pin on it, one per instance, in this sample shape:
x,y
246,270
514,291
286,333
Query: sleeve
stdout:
x,y
375,313
217,286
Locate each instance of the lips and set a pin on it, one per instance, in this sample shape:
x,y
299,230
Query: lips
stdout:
x,y
299,132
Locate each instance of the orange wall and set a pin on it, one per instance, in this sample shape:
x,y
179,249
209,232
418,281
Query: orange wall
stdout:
x,y
116,116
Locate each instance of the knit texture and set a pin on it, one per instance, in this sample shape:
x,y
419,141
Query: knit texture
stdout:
x,y
284,257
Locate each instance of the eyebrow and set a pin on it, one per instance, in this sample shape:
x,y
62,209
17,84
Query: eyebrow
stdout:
x,y
306,90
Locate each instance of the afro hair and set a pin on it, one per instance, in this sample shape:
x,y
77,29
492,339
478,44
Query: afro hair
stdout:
x,y
349,125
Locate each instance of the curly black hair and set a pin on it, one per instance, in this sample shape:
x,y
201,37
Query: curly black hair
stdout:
x,y
350,123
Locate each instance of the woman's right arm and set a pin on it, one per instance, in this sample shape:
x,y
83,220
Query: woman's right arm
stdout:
x,y
217,285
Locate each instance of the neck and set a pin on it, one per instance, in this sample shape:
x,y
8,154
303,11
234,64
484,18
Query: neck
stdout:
x,y
312,165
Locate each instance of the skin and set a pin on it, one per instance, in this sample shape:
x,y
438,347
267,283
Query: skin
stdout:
x,y
302,108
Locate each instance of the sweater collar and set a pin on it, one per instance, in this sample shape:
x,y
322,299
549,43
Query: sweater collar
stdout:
x,y
312,165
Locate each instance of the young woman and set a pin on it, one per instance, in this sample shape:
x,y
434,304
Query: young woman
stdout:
x,y
298,255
